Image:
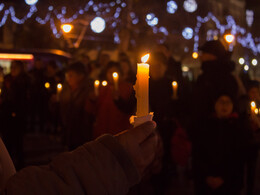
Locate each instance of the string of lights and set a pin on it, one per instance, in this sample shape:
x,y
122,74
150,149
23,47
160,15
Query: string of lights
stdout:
x,y
54,17
243,37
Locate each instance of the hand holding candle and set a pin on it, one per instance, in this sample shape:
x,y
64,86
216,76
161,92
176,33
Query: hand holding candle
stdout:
x,y
175,89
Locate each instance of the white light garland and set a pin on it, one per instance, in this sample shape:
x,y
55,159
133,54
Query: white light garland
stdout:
x,y
242,36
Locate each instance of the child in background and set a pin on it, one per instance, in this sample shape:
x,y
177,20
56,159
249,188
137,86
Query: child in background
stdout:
x,y
219,145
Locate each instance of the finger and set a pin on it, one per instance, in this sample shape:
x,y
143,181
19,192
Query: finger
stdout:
x,y
148,149
143,131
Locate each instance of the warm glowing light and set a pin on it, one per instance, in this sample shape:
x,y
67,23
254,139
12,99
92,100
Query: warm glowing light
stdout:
x,y
254,62
104,83
256,111
253,104
115,75
174,83
66,28
185,69
47,85
97,82
246,67
195,55
145,58
59,86
241,61
9,56
229,38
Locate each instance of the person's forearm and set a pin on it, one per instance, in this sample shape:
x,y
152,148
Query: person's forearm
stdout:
x,y
98,167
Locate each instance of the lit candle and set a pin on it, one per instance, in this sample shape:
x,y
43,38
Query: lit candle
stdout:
x,y
142,87
96,87
115,78
256,111
104,83
175,89
253,106
59,89
47,85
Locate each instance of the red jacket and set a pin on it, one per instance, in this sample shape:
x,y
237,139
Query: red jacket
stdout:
x,y
109,117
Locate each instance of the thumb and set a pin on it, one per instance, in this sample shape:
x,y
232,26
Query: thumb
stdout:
x,y
143,131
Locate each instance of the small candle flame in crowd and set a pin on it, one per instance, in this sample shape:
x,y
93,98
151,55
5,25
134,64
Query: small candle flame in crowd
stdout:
x,y
175,89
253,106
96,87
47,85
115,77
256,111
59,87
104,83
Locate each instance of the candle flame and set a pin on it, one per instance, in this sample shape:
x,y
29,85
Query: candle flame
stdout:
x,y
47,85
256,111
252,104
104,83
59,86
115,75
97,82
174,83
145,58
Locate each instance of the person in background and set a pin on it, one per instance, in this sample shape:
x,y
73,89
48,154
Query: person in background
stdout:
x,y
85,59
37,114
128,73
76,121
15,101
173,71
216,76
220,144
108,165
113,107
103,61
161,103
51,110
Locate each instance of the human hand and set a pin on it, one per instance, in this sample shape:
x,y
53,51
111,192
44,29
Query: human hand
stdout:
x,y
214,182
141,144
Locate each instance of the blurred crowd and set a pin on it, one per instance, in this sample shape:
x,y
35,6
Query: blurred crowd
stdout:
x,y
210,127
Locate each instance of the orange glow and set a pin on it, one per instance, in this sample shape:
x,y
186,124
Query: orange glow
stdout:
x,y
115,75
47,85
13,56
66,28
229,38
174,83
195,55
104,83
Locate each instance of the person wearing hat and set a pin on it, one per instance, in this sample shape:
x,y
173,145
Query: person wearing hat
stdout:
x,y
216,76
